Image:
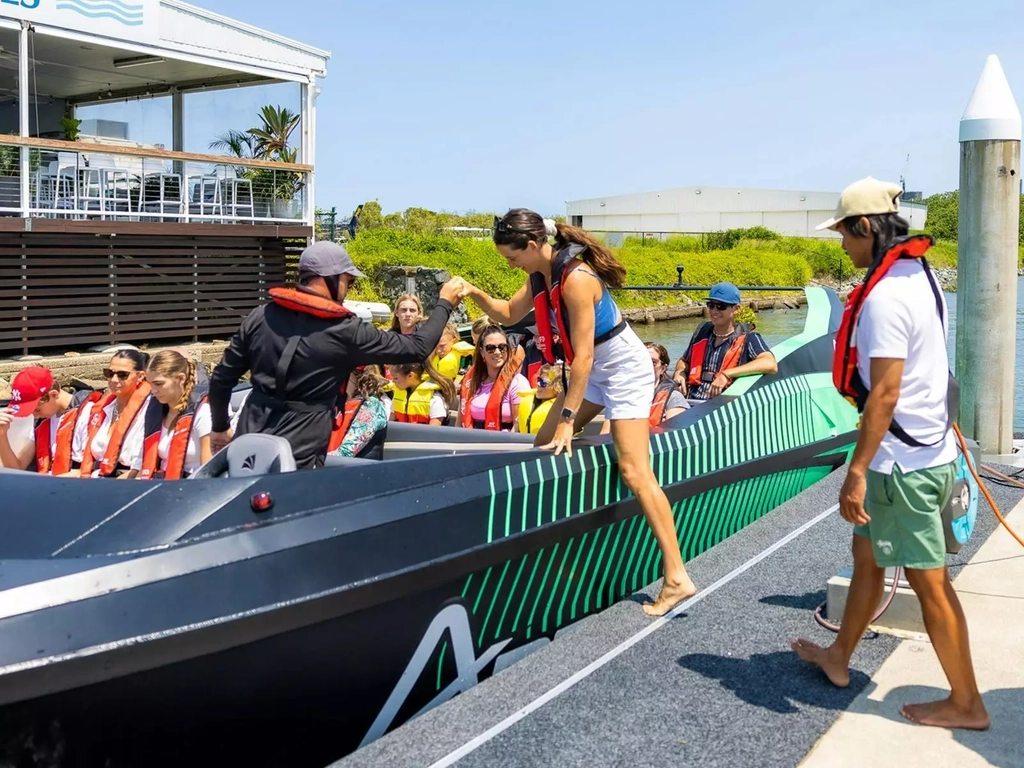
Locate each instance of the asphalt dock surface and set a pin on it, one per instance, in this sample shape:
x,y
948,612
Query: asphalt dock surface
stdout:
x,y
715,686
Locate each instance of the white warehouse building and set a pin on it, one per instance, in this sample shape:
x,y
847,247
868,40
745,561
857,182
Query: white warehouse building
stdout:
x,y
715,209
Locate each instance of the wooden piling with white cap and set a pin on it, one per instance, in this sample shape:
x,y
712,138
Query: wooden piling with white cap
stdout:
x,y
990,189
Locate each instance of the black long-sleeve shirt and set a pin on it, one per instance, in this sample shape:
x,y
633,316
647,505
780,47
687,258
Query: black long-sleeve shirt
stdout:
x,y
328,351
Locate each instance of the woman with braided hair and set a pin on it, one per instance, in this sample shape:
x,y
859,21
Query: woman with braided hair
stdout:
x,y
570,274
178,422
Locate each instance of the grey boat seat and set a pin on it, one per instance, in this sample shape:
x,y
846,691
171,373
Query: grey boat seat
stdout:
x,y
248,456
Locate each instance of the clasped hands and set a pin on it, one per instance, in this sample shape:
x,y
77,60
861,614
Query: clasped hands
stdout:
x,y
455,290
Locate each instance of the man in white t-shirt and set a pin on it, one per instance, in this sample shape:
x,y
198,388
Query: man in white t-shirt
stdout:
x,y
891,360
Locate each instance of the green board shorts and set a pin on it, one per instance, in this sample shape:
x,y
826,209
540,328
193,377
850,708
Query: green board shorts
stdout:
x,y
906,516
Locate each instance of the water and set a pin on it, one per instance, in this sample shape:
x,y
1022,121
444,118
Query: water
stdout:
x,y
776,325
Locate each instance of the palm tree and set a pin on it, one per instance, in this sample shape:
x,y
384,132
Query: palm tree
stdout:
x,y
271,138
236,143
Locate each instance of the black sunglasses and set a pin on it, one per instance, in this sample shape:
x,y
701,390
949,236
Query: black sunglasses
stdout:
x,y
496,347
122,375
719,305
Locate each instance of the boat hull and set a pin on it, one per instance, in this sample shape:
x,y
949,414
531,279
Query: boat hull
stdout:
x,y
169,623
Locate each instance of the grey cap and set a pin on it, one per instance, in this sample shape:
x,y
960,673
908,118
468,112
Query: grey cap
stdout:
x,y
325,259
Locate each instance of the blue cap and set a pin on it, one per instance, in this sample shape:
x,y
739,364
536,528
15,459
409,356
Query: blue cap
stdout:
x,y
727,293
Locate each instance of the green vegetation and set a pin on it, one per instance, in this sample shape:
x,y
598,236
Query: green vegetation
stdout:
x,y
461,244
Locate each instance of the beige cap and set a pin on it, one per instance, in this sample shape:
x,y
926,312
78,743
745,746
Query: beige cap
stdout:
x,y
864,198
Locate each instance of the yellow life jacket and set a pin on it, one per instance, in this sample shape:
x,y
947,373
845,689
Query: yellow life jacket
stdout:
x,y
414,408
532,419
452,363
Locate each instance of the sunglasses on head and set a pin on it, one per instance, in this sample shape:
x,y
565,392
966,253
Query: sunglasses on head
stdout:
x,y
496,347
122,375
719,305
501,226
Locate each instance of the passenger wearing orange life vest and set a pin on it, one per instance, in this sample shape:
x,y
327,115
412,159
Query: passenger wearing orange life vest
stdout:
x,y
489,396
421,395
720,351
890,360
51,443
569,289
668,400
300,350
361,428
113,427
177,420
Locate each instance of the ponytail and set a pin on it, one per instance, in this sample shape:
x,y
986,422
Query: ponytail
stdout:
x,y
187,387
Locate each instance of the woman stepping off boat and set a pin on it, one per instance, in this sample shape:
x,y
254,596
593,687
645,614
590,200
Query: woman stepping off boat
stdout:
x,y
611,368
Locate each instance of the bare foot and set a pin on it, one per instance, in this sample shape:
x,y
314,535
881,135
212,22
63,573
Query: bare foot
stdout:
x,y
836,670
671,595
946,714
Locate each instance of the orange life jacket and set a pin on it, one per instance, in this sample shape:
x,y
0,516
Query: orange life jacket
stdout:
x,y
549,301
309,303
492,412
178,448
701,349
661,395
845,376
60,463
342,421
124,422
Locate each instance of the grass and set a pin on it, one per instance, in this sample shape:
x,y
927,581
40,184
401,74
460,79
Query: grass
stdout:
x,y
745,257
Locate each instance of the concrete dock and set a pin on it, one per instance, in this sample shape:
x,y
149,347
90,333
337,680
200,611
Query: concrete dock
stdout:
x,y
718,685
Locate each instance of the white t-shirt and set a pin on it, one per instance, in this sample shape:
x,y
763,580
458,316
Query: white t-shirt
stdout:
x,y
438,407
899,320
131,448
202,425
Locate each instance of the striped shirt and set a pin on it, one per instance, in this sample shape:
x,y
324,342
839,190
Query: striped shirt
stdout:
x,y
717,349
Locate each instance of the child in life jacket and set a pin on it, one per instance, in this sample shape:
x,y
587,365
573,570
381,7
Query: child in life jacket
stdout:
x,y
452,357
536,403
49,440
362,426
421,395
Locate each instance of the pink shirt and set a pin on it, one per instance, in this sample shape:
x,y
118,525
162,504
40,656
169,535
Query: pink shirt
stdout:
x,y
509,403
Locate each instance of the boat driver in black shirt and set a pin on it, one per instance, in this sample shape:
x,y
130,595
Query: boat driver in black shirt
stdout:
x,y
300,350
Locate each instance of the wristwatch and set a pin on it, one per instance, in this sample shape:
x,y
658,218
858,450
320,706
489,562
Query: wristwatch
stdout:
x,y
568,414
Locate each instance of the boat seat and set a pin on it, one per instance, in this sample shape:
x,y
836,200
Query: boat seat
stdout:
x,y
249,455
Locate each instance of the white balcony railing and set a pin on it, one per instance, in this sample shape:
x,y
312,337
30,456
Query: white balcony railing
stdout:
x,y
87,180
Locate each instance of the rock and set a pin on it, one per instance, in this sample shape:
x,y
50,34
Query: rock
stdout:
x,y
648,318
5,390
82,383
28,358
72,354
394,282
779,305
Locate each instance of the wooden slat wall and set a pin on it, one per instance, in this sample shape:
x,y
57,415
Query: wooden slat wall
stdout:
x,y
70,291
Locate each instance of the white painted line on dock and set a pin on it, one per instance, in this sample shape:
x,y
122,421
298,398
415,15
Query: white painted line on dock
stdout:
x,y
588,670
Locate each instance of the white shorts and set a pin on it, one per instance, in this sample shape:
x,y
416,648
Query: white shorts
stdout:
x,y
622,377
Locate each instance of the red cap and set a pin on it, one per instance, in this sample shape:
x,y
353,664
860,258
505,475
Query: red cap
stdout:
x,y
28,387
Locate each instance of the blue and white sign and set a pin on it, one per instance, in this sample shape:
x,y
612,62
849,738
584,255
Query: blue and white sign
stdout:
x,y
125,19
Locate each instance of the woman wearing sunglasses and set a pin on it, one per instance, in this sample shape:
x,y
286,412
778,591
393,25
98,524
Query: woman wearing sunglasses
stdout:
x,y
491,386
611,369
114,429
